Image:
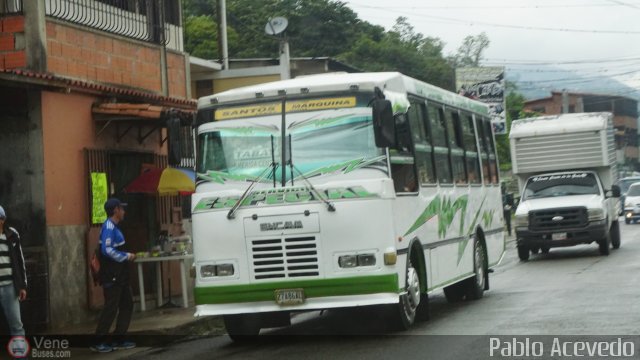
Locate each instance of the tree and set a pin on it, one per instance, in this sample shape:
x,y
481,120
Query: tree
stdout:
x,y
470,52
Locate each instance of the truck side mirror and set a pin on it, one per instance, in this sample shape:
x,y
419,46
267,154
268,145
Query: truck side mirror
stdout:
x,y
175,141
615,191
384,126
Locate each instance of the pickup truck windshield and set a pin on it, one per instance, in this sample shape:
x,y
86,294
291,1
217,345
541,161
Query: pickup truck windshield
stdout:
x,y
561,185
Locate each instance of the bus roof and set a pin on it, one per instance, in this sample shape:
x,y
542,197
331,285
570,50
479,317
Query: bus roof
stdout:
x,y
337,82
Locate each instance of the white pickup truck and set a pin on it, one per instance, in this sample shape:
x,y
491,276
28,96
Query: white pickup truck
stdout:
x,y
566,171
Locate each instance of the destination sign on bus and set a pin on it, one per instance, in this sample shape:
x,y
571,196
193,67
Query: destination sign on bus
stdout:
x,y
274,108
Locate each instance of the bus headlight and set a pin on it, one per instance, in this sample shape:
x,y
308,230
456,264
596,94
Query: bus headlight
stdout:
x,y
207,271
351,261
522,220
348,261
366,260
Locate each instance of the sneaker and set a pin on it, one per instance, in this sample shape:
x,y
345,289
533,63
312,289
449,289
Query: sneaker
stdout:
x,y
124,345
101,348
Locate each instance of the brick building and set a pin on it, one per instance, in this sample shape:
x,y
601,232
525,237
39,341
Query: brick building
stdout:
x,y
87,86
625,118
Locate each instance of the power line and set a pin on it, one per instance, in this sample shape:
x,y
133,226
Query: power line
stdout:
x,y
521,27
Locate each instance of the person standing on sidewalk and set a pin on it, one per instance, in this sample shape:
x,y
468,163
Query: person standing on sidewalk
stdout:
x,y
13,276
114,278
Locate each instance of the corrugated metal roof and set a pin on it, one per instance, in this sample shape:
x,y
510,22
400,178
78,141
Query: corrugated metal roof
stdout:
x,y
48,79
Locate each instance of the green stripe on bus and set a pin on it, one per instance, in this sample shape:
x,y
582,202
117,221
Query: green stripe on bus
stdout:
x,y
312,289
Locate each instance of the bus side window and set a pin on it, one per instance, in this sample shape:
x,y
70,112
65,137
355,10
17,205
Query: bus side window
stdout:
x,y
440,143
470,149
456,147
484,151
402,160
422,147
493,162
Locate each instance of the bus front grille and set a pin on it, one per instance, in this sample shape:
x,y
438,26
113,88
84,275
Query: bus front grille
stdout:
x,y
286,257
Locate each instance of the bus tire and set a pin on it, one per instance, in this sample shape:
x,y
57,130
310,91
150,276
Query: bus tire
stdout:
x,y
242,327
474,287
615,235
523,253
409,302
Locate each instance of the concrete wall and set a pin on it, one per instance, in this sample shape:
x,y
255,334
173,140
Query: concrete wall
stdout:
x,y
68,128
21,176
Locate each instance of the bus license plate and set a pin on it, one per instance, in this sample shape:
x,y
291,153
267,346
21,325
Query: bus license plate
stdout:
x,y
290,296
559,236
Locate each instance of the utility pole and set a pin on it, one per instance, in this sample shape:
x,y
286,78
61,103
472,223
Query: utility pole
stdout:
x,y
222,34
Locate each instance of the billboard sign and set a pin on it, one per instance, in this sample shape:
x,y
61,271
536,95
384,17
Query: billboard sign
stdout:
x,y
485,84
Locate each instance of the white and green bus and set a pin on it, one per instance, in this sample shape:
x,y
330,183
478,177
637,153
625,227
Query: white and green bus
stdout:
x,y
342,190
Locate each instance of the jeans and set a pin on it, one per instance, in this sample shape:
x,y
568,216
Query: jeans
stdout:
x,y
11,307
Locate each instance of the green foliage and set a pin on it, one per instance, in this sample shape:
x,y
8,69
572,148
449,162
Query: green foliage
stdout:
x,y
317,28
200,36
470,52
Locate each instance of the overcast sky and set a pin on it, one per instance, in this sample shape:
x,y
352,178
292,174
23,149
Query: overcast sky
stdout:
x,y
550,31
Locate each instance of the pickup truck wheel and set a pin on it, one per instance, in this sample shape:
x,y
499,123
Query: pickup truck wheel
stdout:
x,y
615,235
604,245
523,253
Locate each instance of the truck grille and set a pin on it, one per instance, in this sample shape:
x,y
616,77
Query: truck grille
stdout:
x,y
288,257
542,220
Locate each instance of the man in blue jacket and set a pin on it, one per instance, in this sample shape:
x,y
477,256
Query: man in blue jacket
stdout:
x,y
114,277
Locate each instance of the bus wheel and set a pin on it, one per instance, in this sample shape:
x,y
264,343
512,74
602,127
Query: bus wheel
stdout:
x,y
615,235
475,285
242,327
409,301
523,253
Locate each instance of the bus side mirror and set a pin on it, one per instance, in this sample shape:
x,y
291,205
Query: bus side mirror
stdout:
x,y
615,191
384,125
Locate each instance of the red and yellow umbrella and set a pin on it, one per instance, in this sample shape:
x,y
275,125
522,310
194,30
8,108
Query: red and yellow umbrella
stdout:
x,y
167,181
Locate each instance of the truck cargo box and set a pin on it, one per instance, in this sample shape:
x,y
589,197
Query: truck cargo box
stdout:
x,y
564,142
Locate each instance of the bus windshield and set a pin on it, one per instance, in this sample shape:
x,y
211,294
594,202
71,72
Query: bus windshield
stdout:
x,y
319,140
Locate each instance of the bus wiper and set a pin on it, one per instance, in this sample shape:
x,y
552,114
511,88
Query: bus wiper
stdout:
x,y
247,192
315,192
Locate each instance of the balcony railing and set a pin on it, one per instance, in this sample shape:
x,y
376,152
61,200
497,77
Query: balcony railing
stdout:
x,y
10,7
154,21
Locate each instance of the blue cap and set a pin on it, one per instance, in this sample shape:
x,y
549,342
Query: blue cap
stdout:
x,y
3,215
113,203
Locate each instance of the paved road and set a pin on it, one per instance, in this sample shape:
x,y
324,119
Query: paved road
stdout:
x,y
570,291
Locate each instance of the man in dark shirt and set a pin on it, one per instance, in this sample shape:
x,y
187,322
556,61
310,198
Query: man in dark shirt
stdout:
x,y
13,276
114,277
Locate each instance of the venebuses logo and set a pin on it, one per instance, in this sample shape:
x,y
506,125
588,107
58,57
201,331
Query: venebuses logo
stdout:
x,y
18,347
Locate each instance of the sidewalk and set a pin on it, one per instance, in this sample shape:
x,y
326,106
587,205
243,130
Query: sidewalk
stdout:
x,y
156,326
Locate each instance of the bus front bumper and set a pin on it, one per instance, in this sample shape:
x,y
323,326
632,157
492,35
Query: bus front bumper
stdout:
x,y
329,302
318,294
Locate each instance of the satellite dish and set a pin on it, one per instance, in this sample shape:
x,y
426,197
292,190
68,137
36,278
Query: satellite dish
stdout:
x,y
276,25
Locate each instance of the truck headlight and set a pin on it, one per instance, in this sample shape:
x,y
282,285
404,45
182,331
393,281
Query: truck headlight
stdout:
x,y
522,220
596,214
